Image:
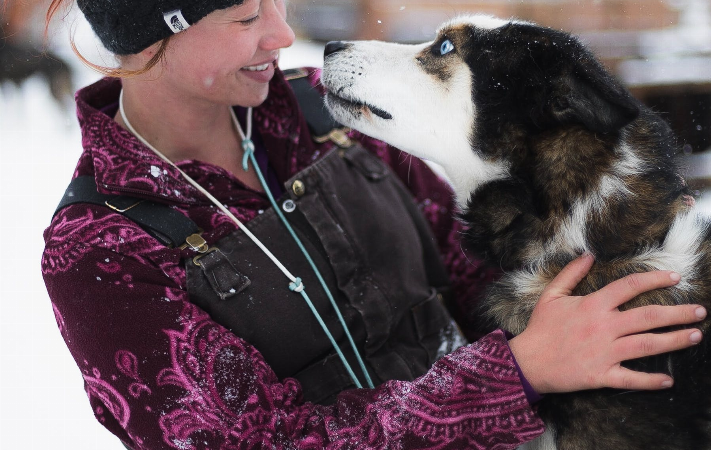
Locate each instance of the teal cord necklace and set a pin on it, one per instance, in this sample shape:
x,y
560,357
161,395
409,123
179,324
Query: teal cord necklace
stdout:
x,y
295,285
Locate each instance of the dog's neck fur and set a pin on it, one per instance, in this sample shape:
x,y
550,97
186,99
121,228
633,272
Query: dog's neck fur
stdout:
x,y
581,191
575,164
466,176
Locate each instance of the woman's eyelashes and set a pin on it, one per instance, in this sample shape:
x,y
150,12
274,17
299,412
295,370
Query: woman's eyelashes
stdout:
x,y
249,21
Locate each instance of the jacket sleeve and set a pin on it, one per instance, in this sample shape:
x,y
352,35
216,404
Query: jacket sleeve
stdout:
x,y
160,374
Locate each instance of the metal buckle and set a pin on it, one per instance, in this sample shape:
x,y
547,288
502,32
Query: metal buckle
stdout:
x,y
119,210
196,243
338,136
297,73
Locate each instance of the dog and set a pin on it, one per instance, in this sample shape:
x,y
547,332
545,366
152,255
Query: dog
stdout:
x,y
548,156
19,62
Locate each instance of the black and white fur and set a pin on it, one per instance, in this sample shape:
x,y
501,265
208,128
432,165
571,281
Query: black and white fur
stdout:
x,y
549,157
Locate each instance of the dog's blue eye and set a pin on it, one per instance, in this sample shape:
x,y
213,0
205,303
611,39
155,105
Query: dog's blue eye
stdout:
x,y
446,47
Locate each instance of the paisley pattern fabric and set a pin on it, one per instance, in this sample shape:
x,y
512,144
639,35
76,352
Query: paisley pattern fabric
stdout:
x,y
160,374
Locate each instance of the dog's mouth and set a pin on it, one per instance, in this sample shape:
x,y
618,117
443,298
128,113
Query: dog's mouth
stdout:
x,y
349,104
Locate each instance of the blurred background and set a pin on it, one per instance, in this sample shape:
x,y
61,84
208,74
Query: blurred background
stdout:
x,y
661,49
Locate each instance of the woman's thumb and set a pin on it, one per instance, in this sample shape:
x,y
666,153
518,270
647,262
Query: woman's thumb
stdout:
x,y
568,278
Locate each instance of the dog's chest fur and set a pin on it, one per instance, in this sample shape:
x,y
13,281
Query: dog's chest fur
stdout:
x,y
620,200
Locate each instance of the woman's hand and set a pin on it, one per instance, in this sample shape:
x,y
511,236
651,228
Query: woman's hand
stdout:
x,y
575,343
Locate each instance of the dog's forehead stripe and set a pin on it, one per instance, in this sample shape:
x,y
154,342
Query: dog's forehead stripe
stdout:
x,y
454,29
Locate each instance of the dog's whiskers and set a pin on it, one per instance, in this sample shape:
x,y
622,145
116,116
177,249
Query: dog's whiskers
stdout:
x,y
623,393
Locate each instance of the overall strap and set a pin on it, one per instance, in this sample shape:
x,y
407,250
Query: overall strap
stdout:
x,y
164,223
321,124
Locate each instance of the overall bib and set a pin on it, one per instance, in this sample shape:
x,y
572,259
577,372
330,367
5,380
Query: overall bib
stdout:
x,y
377,255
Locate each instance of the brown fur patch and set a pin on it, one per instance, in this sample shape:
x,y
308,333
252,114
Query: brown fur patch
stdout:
x,y
441,66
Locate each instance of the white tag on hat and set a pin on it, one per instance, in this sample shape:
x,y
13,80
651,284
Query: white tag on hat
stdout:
x,y
176,21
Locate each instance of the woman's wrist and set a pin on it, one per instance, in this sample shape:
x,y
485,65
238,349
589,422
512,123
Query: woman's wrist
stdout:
x,y
532,394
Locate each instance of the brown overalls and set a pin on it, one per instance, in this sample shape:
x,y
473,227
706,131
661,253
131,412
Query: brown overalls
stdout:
x,y
377,255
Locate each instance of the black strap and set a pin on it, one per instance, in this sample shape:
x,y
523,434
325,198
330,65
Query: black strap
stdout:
x,y
311,103
161,221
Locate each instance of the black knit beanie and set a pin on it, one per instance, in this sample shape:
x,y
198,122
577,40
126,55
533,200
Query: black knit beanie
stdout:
x,y
128,26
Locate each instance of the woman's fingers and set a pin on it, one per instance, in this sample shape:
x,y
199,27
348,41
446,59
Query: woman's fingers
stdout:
x,y
647,318
623,378
598,337
625,289
616,293
648,344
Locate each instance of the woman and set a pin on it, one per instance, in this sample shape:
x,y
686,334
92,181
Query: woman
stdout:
x,y
202,345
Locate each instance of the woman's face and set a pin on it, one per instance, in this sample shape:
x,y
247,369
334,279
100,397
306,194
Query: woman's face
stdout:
x,y
229,56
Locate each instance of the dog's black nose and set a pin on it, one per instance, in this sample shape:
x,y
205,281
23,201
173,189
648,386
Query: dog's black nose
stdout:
x,y
333,47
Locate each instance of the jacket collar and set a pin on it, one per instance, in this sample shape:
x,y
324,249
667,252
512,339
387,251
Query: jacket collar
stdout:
x,y
121,164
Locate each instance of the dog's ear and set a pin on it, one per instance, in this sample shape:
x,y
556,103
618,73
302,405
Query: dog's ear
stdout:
x,y
590,96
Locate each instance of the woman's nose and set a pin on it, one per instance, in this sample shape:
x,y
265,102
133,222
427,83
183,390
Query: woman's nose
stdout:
x,y
280,33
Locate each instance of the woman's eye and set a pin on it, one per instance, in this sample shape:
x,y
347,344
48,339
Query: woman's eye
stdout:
x,y
250,20
446,47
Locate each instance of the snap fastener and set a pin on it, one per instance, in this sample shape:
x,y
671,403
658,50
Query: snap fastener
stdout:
x,y
299,188
288,206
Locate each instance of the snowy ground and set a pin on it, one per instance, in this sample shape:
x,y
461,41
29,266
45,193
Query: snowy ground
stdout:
x,y
42,403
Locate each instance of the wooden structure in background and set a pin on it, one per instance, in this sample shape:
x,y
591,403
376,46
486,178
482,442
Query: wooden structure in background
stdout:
x,y
656,47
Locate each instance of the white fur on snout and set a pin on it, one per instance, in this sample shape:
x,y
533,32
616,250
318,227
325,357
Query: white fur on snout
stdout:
x,y
431,119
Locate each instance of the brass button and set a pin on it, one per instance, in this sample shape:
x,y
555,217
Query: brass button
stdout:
x,y
299,188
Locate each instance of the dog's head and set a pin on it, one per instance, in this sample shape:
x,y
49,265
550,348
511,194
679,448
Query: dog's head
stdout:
x,y
471,99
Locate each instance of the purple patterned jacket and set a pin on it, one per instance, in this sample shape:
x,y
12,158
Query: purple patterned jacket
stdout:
x,y
147,354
